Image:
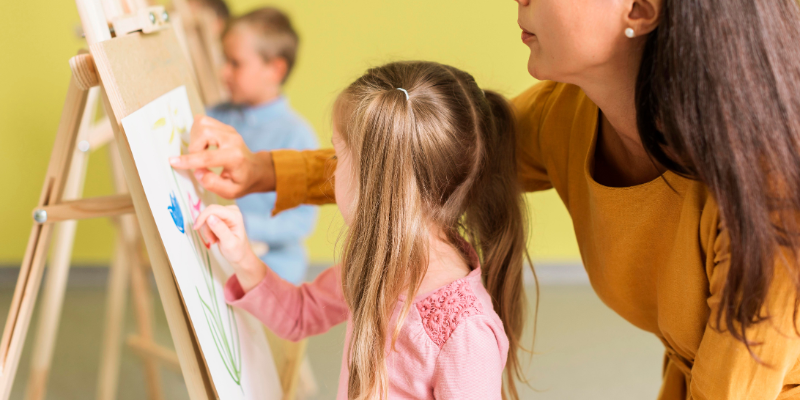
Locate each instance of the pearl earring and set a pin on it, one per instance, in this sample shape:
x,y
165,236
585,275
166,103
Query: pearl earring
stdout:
x,y
629,33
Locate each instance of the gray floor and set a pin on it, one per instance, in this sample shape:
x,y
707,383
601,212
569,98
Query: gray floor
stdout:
x,y
583,351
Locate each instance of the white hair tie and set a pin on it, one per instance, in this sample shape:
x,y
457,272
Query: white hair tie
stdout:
x,y
404,91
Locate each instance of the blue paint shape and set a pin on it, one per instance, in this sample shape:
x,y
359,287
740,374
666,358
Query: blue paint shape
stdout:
x,y
175,212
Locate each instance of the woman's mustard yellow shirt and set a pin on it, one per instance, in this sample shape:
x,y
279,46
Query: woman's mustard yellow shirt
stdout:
x,y
655,253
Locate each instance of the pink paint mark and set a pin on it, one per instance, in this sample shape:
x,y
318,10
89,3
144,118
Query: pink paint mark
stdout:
x,y
195,210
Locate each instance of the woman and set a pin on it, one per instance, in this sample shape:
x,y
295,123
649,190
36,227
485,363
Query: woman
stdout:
x,y
673,141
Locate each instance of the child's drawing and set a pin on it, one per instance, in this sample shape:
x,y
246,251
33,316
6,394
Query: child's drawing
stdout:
x,y
225,334
233,343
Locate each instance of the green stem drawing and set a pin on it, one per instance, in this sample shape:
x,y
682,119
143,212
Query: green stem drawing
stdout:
x,y
230,350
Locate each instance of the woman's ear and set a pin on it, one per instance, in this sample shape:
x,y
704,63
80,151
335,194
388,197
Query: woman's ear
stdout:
x,y
643,16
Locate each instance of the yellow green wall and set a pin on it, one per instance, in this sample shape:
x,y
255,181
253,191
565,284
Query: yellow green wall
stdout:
x,y
339,40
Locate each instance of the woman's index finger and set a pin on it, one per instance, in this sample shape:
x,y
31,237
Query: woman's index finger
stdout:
x,y
204,159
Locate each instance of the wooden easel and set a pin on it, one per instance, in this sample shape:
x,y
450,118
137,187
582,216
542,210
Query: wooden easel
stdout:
x,y
127,268
127,265
63,183
204,51
120,99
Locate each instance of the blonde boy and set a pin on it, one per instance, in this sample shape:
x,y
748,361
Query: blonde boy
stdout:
x,y
260,50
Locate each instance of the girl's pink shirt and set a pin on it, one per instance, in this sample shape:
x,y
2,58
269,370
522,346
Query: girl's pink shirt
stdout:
x,y
452,344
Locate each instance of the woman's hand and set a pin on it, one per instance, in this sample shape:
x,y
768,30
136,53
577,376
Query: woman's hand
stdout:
x,y
243,171
225,225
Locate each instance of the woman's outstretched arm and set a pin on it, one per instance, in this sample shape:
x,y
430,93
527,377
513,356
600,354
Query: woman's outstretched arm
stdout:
x,y
306,177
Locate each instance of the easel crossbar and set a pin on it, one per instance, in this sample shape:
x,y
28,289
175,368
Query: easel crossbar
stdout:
x,y
95,207
146,348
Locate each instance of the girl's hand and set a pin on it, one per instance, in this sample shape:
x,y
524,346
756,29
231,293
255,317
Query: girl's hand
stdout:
x,y
225,225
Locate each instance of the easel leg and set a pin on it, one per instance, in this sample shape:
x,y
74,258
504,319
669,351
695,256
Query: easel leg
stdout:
x,y
30,277
50,311
288,358
294,353
129,266
114,321
143,305
306,382
58,269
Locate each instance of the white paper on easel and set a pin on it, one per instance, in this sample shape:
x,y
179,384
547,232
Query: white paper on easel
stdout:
x,y
233,342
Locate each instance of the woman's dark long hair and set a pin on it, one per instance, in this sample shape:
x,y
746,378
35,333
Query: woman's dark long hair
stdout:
x,y
718,100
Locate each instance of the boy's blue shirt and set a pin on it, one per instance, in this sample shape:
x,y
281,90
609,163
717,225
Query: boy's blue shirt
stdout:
x,y
274,125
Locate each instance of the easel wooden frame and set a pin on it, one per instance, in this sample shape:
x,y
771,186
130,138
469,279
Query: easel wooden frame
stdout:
x,y
127,266
117,105
63,185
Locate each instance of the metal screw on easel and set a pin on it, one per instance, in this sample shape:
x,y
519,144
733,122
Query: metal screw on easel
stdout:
x,y
152,18
40,216
164,16
84,146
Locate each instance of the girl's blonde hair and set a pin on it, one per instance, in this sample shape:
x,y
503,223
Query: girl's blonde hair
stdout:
x,y
444,155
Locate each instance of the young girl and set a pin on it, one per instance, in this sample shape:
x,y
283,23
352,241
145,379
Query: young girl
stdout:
x,y
425,181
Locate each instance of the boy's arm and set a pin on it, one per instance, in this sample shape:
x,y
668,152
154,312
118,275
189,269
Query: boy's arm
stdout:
x,y
292,312
303,177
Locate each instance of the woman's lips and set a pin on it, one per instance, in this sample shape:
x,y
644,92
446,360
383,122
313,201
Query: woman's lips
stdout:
x,y
527,36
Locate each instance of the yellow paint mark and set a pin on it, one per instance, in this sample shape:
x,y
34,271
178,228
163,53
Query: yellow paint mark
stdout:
x,y
160,123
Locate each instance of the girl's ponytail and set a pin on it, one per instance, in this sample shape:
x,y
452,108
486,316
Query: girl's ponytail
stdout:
x,y
496,221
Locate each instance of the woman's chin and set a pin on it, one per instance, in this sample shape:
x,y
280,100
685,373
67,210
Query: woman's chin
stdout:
x,y
534,68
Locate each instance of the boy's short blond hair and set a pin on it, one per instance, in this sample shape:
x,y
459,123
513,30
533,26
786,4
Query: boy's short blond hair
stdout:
x,y
219,7
275,36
